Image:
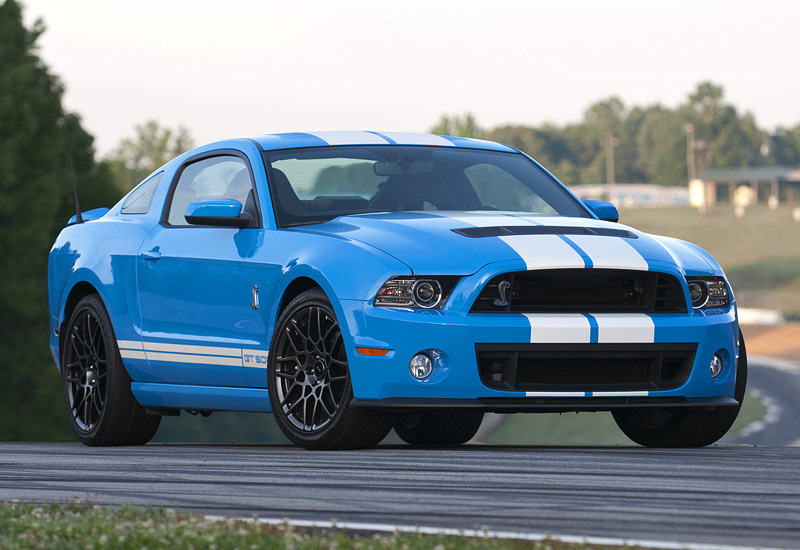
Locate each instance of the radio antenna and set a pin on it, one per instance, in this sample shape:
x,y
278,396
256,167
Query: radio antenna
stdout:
x,y
78,217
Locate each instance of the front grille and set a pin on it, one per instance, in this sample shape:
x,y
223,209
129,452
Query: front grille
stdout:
x,y
584,367
581,291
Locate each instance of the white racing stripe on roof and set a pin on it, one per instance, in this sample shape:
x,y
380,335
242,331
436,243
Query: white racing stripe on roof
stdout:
x,y
625,328
559,328
349,137
610,252
405,138
544,251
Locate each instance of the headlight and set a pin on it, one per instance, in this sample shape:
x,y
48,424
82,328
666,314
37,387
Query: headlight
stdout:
x,y
708,292
415,291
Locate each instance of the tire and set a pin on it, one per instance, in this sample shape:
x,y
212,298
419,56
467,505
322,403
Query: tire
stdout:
x,y
684,427
430,428
97,389
308,379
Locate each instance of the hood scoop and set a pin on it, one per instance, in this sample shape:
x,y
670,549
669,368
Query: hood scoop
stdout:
x,y
507,231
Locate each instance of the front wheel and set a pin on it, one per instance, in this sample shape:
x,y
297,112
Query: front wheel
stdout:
x,y
97,389
431,428
684,427
309,380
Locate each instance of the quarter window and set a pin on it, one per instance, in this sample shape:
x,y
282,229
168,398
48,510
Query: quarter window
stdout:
x,y
140,199
223,177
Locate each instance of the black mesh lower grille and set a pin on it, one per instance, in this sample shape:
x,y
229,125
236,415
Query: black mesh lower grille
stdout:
x,y
585,367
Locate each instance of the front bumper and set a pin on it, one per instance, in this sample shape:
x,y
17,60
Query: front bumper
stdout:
x,y
385,381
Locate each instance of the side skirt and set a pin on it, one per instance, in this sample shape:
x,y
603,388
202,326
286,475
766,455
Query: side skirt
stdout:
x,y
207,398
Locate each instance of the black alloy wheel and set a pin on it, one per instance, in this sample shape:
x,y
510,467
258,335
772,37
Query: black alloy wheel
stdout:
x,y
309,380
101,408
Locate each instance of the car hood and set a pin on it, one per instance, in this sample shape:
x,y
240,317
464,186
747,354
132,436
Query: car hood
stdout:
x,y
461,243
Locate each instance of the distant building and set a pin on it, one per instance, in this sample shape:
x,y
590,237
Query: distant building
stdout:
x,y
771,184
629,195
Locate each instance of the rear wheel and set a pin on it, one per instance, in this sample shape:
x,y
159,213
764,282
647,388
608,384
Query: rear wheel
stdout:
x,y
431,428
97,389
684,427
309,380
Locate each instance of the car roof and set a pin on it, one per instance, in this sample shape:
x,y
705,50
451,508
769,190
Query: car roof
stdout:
x,y
294,140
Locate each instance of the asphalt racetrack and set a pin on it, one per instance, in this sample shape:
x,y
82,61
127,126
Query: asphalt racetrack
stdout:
x,y
738,495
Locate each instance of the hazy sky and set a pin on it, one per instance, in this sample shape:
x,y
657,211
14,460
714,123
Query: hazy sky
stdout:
x,y
245,67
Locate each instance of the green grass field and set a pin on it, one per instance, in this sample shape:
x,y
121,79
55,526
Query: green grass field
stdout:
x,y
86,527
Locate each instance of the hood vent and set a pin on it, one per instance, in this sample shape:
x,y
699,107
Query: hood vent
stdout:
x,y
506,231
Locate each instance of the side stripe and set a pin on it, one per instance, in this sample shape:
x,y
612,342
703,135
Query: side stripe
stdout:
x,y
199,359
197,350
201,355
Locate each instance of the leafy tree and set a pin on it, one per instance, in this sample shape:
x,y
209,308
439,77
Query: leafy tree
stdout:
x,y
455,125
153,145
36,136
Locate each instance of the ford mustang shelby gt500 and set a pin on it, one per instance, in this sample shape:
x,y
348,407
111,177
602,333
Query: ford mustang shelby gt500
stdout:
x,y
351,282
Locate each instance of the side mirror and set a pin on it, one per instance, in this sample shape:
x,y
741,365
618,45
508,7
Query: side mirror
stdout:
x,y
604,210
218,212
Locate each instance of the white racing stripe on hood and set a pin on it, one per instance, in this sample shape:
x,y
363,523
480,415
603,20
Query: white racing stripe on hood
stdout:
x,y
544,251
349,137
559,328
610,252
626,328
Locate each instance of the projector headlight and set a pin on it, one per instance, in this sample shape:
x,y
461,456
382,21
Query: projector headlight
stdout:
x,y
708,292
415,291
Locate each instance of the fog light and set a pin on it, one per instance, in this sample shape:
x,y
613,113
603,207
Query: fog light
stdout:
x,y
420,366
716,366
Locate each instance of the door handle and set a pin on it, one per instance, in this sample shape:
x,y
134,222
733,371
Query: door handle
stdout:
x,y
151,255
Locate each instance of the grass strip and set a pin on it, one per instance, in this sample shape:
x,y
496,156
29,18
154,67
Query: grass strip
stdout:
x,y
82,526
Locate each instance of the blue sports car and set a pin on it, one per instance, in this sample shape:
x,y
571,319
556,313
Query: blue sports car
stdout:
x,y
355,282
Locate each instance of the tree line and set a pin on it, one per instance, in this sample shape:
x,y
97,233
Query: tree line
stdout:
x,y
651,144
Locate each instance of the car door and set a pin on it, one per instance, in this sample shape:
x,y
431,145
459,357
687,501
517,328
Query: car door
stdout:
x,y
192,294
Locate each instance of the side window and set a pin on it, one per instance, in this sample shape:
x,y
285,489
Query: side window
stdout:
x,y
139,200
223,177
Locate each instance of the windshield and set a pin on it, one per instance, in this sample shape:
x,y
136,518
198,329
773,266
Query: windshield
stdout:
x,y
318,184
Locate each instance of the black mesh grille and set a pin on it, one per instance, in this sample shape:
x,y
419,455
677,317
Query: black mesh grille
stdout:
x,y
582,291
585,367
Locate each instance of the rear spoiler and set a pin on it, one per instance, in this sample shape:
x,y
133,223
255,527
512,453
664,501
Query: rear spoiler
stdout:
x,y
95,214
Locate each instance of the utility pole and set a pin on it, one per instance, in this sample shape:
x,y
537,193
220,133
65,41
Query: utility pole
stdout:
x,y
690,151
609,143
